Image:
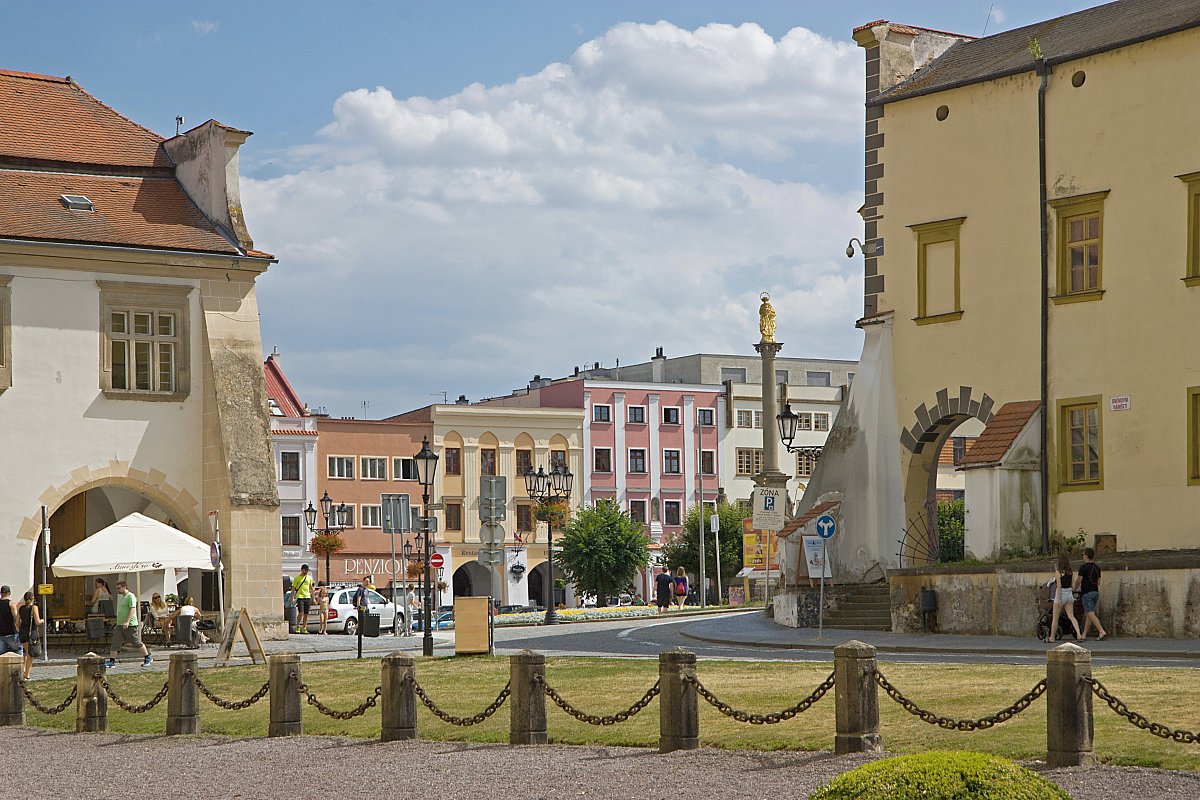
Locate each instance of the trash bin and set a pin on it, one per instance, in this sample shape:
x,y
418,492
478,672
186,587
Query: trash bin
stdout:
x,y
370,624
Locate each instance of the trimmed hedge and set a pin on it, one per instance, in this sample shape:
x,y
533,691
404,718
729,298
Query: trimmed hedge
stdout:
x,y
941,776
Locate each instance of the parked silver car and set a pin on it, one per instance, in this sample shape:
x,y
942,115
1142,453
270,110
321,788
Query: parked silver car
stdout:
x,y
343,616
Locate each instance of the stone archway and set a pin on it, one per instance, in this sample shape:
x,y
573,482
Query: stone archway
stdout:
x,y
931,426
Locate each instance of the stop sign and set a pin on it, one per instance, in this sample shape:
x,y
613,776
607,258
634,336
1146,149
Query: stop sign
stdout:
x,y
436,561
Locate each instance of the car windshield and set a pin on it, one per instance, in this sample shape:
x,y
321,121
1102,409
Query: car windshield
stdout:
x,y
375,597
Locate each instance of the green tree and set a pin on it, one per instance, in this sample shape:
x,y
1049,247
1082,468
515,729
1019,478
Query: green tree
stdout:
x,y
685,550
951,522
602,549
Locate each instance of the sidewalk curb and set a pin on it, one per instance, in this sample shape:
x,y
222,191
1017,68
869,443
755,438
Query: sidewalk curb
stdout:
x,y
926,650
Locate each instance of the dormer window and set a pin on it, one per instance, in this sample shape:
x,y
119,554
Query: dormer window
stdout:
x,y
76,202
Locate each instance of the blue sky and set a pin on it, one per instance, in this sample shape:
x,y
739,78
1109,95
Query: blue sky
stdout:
x,y
465,194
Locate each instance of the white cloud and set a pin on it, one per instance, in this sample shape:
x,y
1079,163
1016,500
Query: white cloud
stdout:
x,y
585,213
998,15
204,27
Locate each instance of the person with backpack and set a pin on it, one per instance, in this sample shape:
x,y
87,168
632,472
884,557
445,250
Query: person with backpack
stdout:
x,y
681,587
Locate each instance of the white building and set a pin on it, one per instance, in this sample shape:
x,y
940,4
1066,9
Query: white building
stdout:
x,y
294,447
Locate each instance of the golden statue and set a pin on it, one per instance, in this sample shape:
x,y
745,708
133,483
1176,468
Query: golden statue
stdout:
x,y
766,318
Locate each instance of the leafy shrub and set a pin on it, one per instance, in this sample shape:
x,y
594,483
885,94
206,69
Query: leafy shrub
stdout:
x,y
941,776
951,524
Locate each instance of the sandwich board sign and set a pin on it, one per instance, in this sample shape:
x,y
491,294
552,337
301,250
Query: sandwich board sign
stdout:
x,y
240,622
768,509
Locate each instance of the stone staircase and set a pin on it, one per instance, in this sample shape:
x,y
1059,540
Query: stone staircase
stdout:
x,y
866,607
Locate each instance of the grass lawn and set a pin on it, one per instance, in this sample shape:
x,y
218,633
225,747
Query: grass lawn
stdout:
x,y
465,685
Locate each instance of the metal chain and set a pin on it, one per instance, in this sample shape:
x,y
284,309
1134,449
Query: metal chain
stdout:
x,y
464,722
761,719
951,724
232,705
130,707
592,719
58,709
357,711
1136,719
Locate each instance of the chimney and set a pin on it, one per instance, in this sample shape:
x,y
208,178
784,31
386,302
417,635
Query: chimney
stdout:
x,y
656,365
596,365
206,164
577,370
462,400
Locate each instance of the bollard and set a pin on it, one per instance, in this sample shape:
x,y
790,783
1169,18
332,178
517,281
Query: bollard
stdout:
x,y
678,702
856,697
91,701
285,696
183,696
1069,707
12,701
527,703
399,709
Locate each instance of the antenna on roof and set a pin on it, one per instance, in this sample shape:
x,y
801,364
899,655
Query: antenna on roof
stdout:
x,y
991,8
178,124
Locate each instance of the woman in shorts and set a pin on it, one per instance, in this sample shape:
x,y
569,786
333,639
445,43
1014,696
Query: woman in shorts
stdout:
x,y
1064,598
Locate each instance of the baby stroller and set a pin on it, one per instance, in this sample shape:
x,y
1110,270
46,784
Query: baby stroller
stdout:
x,y
1046,594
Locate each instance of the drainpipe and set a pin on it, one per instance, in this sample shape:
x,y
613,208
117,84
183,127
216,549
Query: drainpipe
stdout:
x,y
1043,71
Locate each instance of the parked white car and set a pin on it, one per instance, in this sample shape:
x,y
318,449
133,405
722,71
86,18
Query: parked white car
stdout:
x,y
343,616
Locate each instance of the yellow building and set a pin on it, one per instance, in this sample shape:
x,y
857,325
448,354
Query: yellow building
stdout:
x,y
1032,237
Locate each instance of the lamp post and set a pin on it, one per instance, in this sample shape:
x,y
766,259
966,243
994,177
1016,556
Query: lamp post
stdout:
x,y
548,490
789,423
426,461
335,523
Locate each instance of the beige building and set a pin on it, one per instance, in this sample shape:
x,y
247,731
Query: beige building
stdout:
x,y
130,356
1032,234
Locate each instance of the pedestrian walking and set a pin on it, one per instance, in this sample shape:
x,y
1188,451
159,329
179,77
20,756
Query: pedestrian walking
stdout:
x,y
323,608
664,587
126,630
1088,583
681,587
1064,598
302,585
29,631
9,623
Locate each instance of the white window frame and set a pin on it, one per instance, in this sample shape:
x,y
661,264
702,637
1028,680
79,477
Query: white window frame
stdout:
x,y
678,415
299,531
375,511
645,520
330,471
376,461
607,412
678,456
700,465
595,452
299,466
629,461
351,514
398,468
153,298
679,511
701,413
629,415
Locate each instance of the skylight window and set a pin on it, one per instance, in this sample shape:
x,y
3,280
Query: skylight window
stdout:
x,y
77,202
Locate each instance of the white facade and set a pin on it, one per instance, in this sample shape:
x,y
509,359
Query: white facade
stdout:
x,y
298,436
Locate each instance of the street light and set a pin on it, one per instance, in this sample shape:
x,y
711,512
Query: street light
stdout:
x,y
548,490
335,523
789,423
426,462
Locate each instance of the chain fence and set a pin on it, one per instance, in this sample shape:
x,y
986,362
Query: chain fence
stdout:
x,y
229,705
132,708
51,710
357,711
464,722
1137,720
951,724
761,719
592,719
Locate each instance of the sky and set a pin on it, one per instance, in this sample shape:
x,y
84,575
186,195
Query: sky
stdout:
x,y
462,195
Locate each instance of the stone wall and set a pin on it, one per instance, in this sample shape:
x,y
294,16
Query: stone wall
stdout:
x,y
798,607
1152,594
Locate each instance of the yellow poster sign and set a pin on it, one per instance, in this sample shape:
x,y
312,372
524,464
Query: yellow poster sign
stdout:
x,y
755,546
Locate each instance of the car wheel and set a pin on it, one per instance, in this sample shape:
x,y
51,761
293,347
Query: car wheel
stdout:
x,y
351,627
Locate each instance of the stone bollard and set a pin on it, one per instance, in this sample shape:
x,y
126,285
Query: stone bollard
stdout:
x,y
183,696
399,709
856,697
527,701
91,701
285,696
1069,707
12,701
678,702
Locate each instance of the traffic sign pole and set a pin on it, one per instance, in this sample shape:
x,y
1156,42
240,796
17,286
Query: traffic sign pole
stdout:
x,y
826,528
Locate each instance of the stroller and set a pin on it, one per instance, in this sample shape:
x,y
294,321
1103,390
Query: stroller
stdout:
x,y
1045,595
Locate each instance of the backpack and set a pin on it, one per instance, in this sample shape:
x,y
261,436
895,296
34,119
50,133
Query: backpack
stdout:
x,y
681,586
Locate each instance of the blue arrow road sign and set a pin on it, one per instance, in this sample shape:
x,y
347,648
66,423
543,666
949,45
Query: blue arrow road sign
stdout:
x,y
826,526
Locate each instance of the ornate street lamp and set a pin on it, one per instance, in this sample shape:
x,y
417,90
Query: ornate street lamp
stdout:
x,y
548,490
335,523
426,462
789,423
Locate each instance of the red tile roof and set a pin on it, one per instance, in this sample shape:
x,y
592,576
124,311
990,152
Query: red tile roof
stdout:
x,y
138,212
999,435
808,516
281,391
53,119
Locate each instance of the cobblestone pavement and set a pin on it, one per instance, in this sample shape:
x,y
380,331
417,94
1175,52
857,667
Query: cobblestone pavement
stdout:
x,y
112,765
